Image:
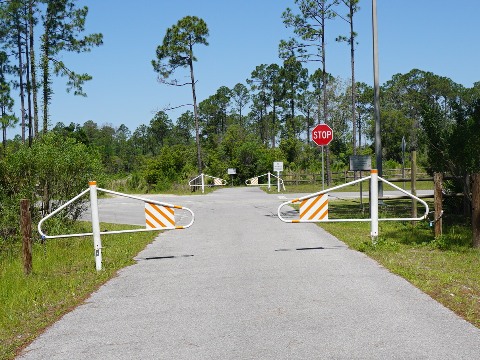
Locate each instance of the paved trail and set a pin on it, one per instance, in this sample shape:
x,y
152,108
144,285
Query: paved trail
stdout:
x,y
240,284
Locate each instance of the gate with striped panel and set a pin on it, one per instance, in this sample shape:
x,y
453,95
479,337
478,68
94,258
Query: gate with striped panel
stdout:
x,y
203,180
255,181
313,208
158,216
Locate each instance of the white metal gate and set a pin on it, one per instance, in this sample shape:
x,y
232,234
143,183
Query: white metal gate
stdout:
x,y
159,216
374,219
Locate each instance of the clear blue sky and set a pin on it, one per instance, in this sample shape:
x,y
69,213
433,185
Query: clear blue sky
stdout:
x,y
432,35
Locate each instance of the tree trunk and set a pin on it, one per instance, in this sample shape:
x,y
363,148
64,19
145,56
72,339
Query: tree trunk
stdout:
x,y
20,75
4,138
274,116
195,113
4,132
33,70
476,209
265,123
309,140
467,199
46,82
29,89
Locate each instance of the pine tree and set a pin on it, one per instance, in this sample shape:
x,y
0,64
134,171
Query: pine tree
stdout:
x,y
176,52
63,24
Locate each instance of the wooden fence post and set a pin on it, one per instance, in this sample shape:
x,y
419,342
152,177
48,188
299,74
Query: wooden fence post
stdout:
x,y
438,197
26,231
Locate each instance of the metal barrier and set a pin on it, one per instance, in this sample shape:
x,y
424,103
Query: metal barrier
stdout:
x,y
255,182
158,216
316,210
216,181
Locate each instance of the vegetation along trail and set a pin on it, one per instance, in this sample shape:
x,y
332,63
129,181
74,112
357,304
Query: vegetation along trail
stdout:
x,y
240,284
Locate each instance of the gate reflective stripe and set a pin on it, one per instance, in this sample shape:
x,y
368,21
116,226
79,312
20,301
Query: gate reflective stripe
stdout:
x,y
315,208
254,181
159,217
217,181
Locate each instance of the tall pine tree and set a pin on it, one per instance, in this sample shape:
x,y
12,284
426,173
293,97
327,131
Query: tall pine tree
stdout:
x,y
176,52
63,25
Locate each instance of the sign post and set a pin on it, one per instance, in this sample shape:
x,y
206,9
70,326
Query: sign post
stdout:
x,y
232,171
322,135
278,167
404,145
360,163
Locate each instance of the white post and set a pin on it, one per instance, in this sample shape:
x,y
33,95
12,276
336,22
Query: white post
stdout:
x,y
278,181
374,205
203,183
269,181
97,242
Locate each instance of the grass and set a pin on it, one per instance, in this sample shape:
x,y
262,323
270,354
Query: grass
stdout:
x,y
63,276
446,268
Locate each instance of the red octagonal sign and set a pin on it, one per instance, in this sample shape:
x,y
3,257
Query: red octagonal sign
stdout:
x,y
322,135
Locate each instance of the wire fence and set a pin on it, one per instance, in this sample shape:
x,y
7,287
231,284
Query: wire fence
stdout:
x,y
343,177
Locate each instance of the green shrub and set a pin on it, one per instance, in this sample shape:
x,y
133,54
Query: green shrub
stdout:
x,y
53,170
172,165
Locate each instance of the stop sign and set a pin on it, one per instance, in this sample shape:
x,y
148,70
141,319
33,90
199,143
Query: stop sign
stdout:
x,y
322,134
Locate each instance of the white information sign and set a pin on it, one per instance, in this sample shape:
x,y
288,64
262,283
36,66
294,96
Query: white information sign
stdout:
x,y
278,166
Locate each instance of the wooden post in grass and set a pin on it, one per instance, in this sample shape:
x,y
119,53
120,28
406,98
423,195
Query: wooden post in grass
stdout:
x,y
438,180
26,231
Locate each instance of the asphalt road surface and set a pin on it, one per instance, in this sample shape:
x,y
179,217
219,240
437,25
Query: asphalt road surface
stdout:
x,y
241,284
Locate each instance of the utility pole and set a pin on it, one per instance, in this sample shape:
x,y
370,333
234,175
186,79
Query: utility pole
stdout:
x,y
376,103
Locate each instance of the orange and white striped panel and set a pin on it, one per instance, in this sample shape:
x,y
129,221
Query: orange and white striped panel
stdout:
x,y
254,181
159,217
315,208
217,181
